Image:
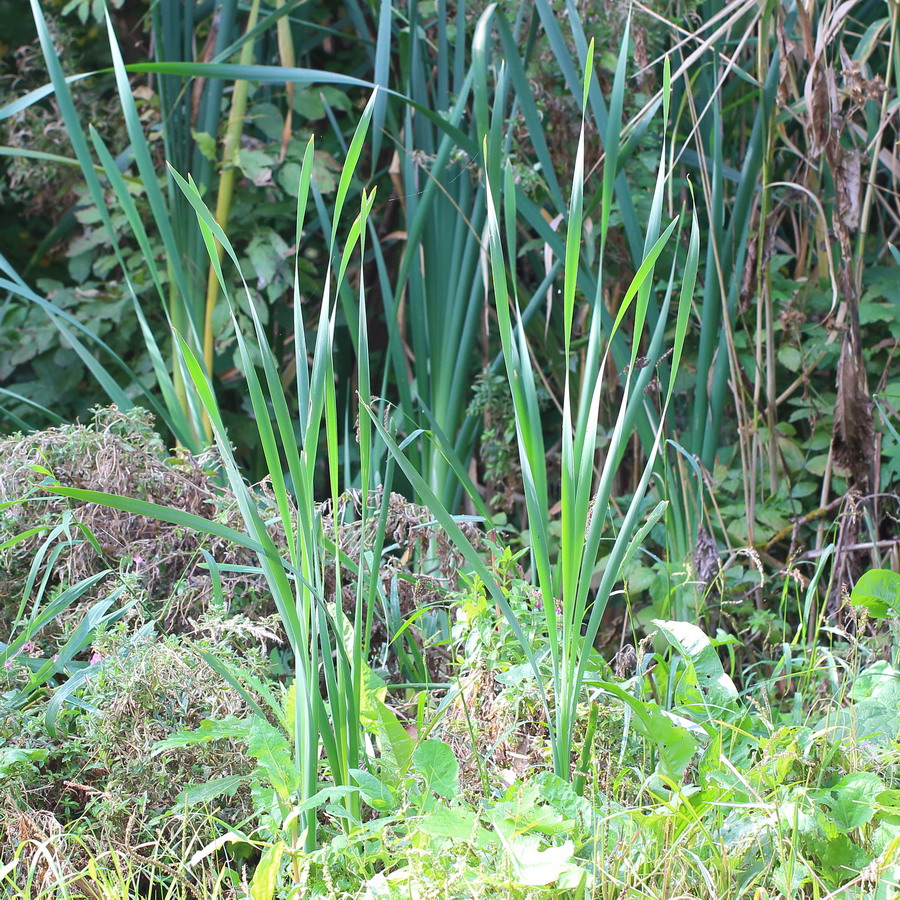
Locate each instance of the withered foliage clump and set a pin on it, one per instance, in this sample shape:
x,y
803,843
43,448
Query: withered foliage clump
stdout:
x,y
420,562
117,453
105,764
499,729
38,839
160,687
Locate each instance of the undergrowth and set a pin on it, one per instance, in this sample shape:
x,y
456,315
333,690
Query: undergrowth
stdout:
x,y
498,493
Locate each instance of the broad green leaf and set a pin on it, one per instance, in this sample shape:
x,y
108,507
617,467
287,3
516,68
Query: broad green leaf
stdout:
x,y
19,759
203,794
206,144
270,748
888,806
717,689
374,791
867,720
439,766
790,358
878,590
457,823
262,887
880,681
852,801
394,741
532,866
528,811
560,794
838,857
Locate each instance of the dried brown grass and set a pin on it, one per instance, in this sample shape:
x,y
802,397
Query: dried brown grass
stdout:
x,y
119,453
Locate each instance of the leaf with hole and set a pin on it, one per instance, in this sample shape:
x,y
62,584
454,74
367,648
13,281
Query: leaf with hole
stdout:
x,y
851,803
437,764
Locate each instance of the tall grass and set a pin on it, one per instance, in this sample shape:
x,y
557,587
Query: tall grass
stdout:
x,y
324,645
575,586
573,603
442,288
444,106
468,232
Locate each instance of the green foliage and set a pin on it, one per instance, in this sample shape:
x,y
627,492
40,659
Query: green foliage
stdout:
x,y
94,8
624,432
492,403
99,765
878,591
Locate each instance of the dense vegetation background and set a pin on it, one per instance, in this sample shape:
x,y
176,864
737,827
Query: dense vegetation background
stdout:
x,y
507,455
